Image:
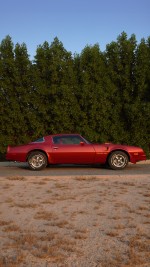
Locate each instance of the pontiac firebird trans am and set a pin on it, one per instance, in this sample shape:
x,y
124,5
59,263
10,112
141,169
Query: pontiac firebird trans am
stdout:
x,y
73,149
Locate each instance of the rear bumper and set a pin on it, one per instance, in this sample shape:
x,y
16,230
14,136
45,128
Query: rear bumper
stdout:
x,y
15,157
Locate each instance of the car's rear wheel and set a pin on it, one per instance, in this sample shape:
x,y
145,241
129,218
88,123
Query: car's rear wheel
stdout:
x,y
118,160
37,160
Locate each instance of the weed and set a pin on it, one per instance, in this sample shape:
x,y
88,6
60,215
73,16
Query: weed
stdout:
x,y
49,191
39,183
12,261
60,224
12,228
61,186
4,223
48,201
24,240
80,236
85,178
112,233
146,195
143,208
45,215
25,205
16,178
119,227
9,200
128,183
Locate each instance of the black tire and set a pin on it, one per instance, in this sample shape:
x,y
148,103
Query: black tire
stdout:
x,y
37,160
118,160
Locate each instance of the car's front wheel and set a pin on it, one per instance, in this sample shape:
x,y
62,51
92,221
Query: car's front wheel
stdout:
x,y
118,160
37,160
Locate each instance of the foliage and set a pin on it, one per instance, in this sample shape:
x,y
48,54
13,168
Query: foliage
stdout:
x,y
103,95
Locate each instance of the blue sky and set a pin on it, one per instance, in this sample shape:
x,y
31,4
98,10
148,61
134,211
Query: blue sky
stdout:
x,y
76,23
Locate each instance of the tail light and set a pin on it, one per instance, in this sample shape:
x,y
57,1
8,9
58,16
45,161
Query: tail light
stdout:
x,y
8,148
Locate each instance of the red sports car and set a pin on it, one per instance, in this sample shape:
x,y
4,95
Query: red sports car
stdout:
x,y
73,149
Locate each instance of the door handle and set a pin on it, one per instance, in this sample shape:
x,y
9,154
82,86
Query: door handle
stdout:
x,y
55,147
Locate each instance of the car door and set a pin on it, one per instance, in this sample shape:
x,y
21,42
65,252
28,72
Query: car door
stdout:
x,y
72,149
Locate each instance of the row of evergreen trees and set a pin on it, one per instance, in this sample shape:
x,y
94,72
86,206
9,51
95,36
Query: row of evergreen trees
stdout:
x,y
105,96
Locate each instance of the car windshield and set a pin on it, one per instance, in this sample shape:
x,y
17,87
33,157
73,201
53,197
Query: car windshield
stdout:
x,y
86,141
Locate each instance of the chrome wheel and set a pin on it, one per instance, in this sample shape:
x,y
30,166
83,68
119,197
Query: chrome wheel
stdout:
x,y
37,160
118,160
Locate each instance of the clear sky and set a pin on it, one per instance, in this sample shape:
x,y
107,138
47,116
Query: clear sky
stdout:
x,y
76,23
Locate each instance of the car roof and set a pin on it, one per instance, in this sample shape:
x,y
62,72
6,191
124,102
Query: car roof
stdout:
x,y
64,134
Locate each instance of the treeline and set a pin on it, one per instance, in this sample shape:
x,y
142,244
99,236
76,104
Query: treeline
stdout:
x,y
105,96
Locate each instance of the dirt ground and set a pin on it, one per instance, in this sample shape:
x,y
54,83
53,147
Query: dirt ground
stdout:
x,y
84,221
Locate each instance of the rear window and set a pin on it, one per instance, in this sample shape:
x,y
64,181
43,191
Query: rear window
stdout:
x,y
39,140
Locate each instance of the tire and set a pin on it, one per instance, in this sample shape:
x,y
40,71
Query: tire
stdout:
x,y
37,160
118,160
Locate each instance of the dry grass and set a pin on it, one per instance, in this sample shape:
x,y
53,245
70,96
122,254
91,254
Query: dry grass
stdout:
x,y
63,197
16,178
112,233
59,223
80,236
87,179
24,205
46,215
12,261
25,240
147,215
129,184
143,208
62,186
39,183
81,221
120,226
9,200
147,195
7,186
48,201
11,228
3,223
50,246
49,191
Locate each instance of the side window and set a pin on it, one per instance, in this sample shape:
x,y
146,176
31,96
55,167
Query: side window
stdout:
x,y
56,140
67,140
75,140
71,140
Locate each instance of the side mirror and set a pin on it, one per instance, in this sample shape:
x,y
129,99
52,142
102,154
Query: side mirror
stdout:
x,y
82,143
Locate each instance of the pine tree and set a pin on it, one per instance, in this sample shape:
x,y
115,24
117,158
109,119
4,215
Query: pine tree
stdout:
x,y
141,106
94,94
104,96
9,105
121,62
55,85
25,93
15,92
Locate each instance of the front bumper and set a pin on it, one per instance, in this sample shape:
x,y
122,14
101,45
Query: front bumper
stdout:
x,y
137,156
